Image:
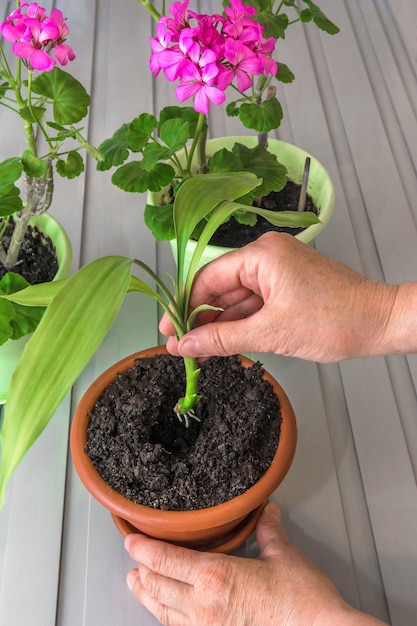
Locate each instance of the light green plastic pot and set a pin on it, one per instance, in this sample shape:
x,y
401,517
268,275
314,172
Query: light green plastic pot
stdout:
x,y
11,351
320,187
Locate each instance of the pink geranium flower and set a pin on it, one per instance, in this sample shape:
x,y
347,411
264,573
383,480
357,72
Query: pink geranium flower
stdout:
x,y
35,36
198,82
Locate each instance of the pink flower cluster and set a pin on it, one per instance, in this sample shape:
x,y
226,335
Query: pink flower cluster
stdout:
x,y
206,53
36,35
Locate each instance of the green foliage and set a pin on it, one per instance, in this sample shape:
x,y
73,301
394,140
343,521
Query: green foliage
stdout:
x,y
69,99
16,320
34,167
85,305
72,166
261,117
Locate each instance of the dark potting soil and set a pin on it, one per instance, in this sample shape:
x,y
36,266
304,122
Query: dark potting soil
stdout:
x,y
37,261
143,451
234,235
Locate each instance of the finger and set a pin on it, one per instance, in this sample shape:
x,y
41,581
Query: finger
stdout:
x,y
171,561
252,334
270,533
167,591
164,614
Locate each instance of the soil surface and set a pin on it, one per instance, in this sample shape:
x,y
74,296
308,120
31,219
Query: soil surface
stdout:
x,y
234,235
140,448
37,261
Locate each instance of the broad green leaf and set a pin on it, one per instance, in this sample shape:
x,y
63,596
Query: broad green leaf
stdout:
x,y
263,164
152,154
132,177
25,319
114,150
320,19
261,117
6,316
11,202
160,221
72,166
10,171
186,114
140,131
244,217
33,115
232,110
35,295
205,192
174,133
33,166
83,310
284,74
225,161
274,25
69,98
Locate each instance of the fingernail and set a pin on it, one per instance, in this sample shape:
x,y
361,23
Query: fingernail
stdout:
x,y
190,347
131,577
272,511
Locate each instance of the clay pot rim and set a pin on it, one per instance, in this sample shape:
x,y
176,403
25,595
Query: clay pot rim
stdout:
x,y
195,519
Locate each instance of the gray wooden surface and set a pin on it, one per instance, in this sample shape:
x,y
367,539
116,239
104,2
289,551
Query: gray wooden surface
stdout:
x,y
349,501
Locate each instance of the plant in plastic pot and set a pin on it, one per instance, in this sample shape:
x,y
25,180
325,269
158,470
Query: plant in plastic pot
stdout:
x,y
207,56
50,103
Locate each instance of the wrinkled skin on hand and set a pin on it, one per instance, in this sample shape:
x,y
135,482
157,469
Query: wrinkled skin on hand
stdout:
x,y
280,295
182,587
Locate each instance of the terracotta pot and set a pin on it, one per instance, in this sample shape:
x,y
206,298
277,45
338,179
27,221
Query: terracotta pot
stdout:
x,y
220,528
11,351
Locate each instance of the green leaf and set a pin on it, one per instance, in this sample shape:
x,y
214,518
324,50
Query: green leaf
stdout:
x,y
33,166
83,310
320,19
32,115
185,114
274,25
160,221
69,98
115,150
11,202
232,110
25,319
210,189
10,171
152,154
284,74
243,217
72,166
261,117
140,131
263,164
6,316
35,295
225,161
133,178
175,134
4,87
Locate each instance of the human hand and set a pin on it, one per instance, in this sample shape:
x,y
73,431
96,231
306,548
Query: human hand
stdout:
x,y
280,295
182,587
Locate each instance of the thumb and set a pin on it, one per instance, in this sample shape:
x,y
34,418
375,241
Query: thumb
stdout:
x,y
225,338
270,533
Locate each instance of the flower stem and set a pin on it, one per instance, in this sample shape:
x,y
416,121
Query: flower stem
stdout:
x,y
198,131
151,9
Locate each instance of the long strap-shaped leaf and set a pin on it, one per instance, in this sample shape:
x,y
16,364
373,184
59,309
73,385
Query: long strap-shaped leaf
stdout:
x,y
205,192
83,310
